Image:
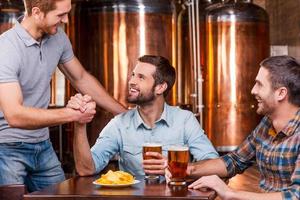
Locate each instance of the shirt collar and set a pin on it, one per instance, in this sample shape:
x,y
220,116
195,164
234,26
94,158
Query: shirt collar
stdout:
x,y
164,118
292,125
25,36
289,129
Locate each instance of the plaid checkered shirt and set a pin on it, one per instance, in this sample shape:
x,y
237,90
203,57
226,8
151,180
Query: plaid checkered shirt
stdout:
x,y
277,156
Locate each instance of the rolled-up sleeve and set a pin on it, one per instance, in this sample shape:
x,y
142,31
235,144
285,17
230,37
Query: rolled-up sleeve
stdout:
x,y
200,146
106,146
240,159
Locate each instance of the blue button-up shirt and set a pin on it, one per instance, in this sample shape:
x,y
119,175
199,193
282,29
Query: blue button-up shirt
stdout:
x,y
126,133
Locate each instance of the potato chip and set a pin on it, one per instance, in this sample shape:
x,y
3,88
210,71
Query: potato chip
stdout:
x,y
117,177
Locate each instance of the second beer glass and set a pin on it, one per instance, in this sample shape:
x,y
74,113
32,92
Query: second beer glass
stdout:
x,y
178,158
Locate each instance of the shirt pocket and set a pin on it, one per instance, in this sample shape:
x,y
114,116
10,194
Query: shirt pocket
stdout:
x,y
132,150
132,154
132,157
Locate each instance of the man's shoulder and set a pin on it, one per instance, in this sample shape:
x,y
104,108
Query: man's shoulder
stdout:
x,y
176,111
8,32
10,46
118,124
7,38
124,117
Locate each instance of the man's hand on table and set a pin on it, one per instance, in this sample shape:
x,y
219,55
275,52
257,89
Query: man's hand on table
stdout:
x,y
213,182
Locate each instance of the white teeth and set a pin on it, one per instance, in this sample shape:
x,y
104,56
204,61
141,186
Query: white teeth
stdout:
x,y
133,90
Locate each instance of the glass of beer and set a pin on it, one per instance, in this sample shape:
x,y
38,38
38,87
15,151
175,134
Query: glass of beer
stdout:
x,y
178,158
151,147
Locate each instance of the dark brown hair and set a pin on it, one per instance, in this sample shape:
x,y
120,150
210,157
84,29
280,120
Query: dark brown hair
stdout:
x,y
284,72
165,72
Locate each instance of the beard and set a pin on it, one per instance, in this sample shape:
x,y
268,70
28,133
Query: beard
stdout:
x,y
265,108
51,30
141,99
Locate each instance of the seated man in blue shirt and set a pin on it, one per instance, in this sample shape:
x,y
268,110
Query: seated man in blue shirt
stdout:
x,y
152,120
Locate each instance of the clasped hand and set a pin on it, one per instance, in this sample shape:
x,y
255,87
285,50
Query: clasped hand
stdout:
x,y
84,106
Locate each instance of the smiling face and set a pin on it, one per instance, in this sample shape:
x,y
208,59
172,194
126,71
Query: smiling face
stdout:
x,y
264,93
48,23
141,85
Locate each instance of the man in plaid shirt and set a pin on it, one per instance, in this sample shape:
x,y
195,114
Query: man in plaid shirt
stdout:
x,y
274,143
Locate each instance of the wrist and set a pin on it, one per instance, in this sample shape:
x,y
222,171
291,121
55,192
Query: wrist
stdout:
x,y
191,170
72,115
231,194
79,126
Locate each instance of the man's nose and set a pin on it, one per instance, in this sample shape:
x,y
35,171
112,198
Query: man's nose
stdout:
x,y
65,19
132,80
253,90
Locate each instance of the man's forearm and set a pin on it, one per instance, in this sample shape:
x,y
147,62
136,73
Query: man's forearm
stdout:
x,y
35,118
82,154
91,86
208,167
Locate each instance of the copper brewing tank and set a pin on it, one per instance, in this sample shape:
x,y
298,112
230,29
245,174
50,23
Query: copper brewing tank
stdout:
x,y
237,41
10,10
191,51
108,36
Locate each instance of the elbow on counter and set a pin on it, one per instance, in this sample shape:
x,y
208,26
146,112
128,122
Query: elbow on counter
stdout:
x,y
84,171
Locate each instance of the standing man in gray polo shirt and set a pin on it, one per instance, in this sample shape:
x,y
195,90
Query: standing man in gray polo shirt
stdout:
x,y
29,54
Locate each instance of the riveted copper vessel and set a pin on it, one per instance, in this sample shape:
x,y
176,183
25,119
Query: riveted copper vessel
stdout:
x,y
109,35
10,10
237,41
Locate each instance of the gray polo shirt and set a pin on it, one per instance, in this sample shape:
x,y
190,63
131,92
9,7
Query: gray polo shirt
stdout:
x,y
31,64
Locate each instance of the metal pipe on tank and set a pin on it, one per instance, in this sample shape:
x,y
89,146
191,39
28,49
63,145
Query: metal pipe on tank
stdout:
x,y
194,52
179,52
196,18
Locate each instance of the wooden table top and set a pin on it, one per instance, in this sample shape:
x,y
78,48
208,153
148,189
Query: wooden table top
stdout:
x,y
83,188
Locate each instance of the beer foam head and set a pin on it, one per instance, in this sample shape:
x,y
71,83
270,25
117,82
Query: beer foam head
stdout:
x,y
178,148
148,144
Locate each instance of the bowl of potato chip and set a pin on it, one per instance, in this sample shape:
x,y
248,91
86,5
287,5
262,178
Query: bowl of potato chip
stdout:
x,y
116,179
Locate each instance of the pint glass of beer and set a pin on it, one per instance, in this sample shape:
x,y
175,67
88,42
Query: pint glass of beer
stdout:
x,y
178,158
151,147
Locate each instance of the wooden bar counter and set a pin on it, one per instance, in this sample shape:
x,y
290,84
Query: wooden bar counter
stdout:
x,y
83,188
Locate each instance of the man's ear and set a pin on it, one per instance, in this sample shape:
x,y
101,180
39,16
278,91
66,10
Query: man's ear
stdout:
x,y
37,13
281,93
161,88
